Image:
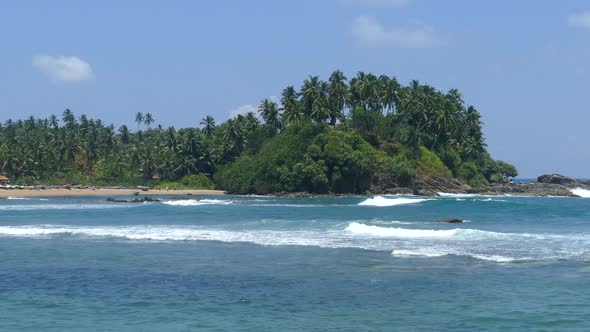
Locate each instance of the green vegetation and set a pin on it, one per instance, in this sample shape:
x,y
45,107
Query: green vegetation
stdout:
x,y
340,136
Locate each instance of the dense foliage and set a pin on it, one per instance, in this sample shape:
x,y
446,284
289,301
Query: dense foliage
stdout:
x,y
338,135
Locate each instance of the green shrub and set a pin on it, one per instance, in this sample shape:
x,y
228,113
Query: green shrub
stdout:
x,y
451,158
429,163
312,158
470,173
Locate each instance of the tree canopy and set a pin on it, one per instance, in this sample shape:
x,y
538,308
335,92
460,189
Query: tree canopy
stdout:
x,y
341,135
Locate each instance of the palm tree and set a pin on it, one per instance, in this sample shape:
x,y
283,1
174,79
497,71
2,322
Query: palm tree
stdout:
x,y
234,137
148,119
388,92
250,122
312,91
171,140
269,112
208,124
139,119
147,160
337,96
185,165
69,119
90,152
291,110
124,134
53,122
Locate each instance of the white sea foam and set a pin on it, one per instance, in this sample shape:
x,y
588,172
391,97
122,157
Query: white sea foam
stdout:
x,y
195,202
581,192
382,201
424,252
178,233
498,258
456,233
456,195
490,200
362,229
431,252
477,244
26,198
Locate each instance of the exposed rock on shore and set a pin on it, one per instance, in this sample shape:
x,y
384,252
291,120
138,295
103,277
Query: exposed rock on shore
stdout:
x,y
546,185
562,180
431,186
135,200
524,189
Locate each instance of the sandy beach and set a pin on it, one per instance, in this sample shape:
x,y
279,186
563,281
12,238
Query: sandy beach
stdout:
x,y
100,192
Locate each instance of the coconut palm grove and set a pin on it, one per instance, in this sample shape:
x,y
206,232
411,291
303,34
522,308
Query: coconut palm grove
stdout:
x,y
337,135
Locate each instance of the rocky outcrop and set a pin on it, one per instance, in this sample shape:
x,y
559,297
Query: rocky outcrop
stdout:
x,y
432,185
563,180
547,185
556,179
399,191
524,189
135,200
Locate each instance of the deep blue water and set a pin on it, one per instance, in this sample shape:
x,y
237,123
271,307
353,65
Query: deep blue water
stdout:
x,y
277,264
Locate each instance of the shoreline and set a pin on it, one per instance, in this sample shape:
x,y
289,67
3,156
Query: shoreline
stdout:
x,y
102,192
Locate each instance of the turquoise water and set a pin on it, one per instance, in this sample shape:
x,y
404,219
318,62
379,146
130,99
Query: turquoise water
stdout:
x,y
277,264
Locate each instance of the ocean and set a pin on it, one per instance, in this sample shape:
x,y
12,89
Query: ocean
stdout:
x,y
246,263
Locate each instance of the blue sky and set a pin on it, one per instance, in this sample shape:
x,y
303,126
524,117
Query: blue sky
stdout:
x,y
524,64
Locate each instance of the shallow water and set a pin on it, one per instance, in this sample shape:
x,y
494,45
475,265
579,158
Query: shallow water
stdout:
x,y
279,264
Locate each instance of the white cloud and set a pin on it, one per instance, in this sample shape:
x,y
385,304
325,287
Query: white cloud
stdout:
x,y
62,68
380,2
244,109
368,32
579,20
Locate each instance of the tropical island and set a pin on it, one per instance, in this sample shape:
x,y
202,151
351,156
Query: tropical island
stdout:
x,y
367,134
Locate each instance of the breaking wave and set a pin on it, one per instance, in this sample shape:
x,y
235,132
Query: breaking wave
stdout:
x,y
458,233
25,198
196,202
581,192
400,242
362,229
382,201
456,195
434,253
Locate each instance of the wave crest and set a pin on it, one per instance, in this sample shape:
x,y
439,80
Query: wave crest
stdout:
x,y
196,202
362,229
382,201
585,193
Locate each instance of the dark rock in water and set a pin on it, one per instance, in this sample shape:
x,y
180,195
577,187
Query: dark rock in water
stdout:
x,y
110,199
135,200
451,220
556,179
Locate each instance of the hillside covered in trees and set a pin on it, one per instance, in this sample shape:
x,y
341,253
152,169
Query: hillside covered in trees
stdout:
x,y
334,136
